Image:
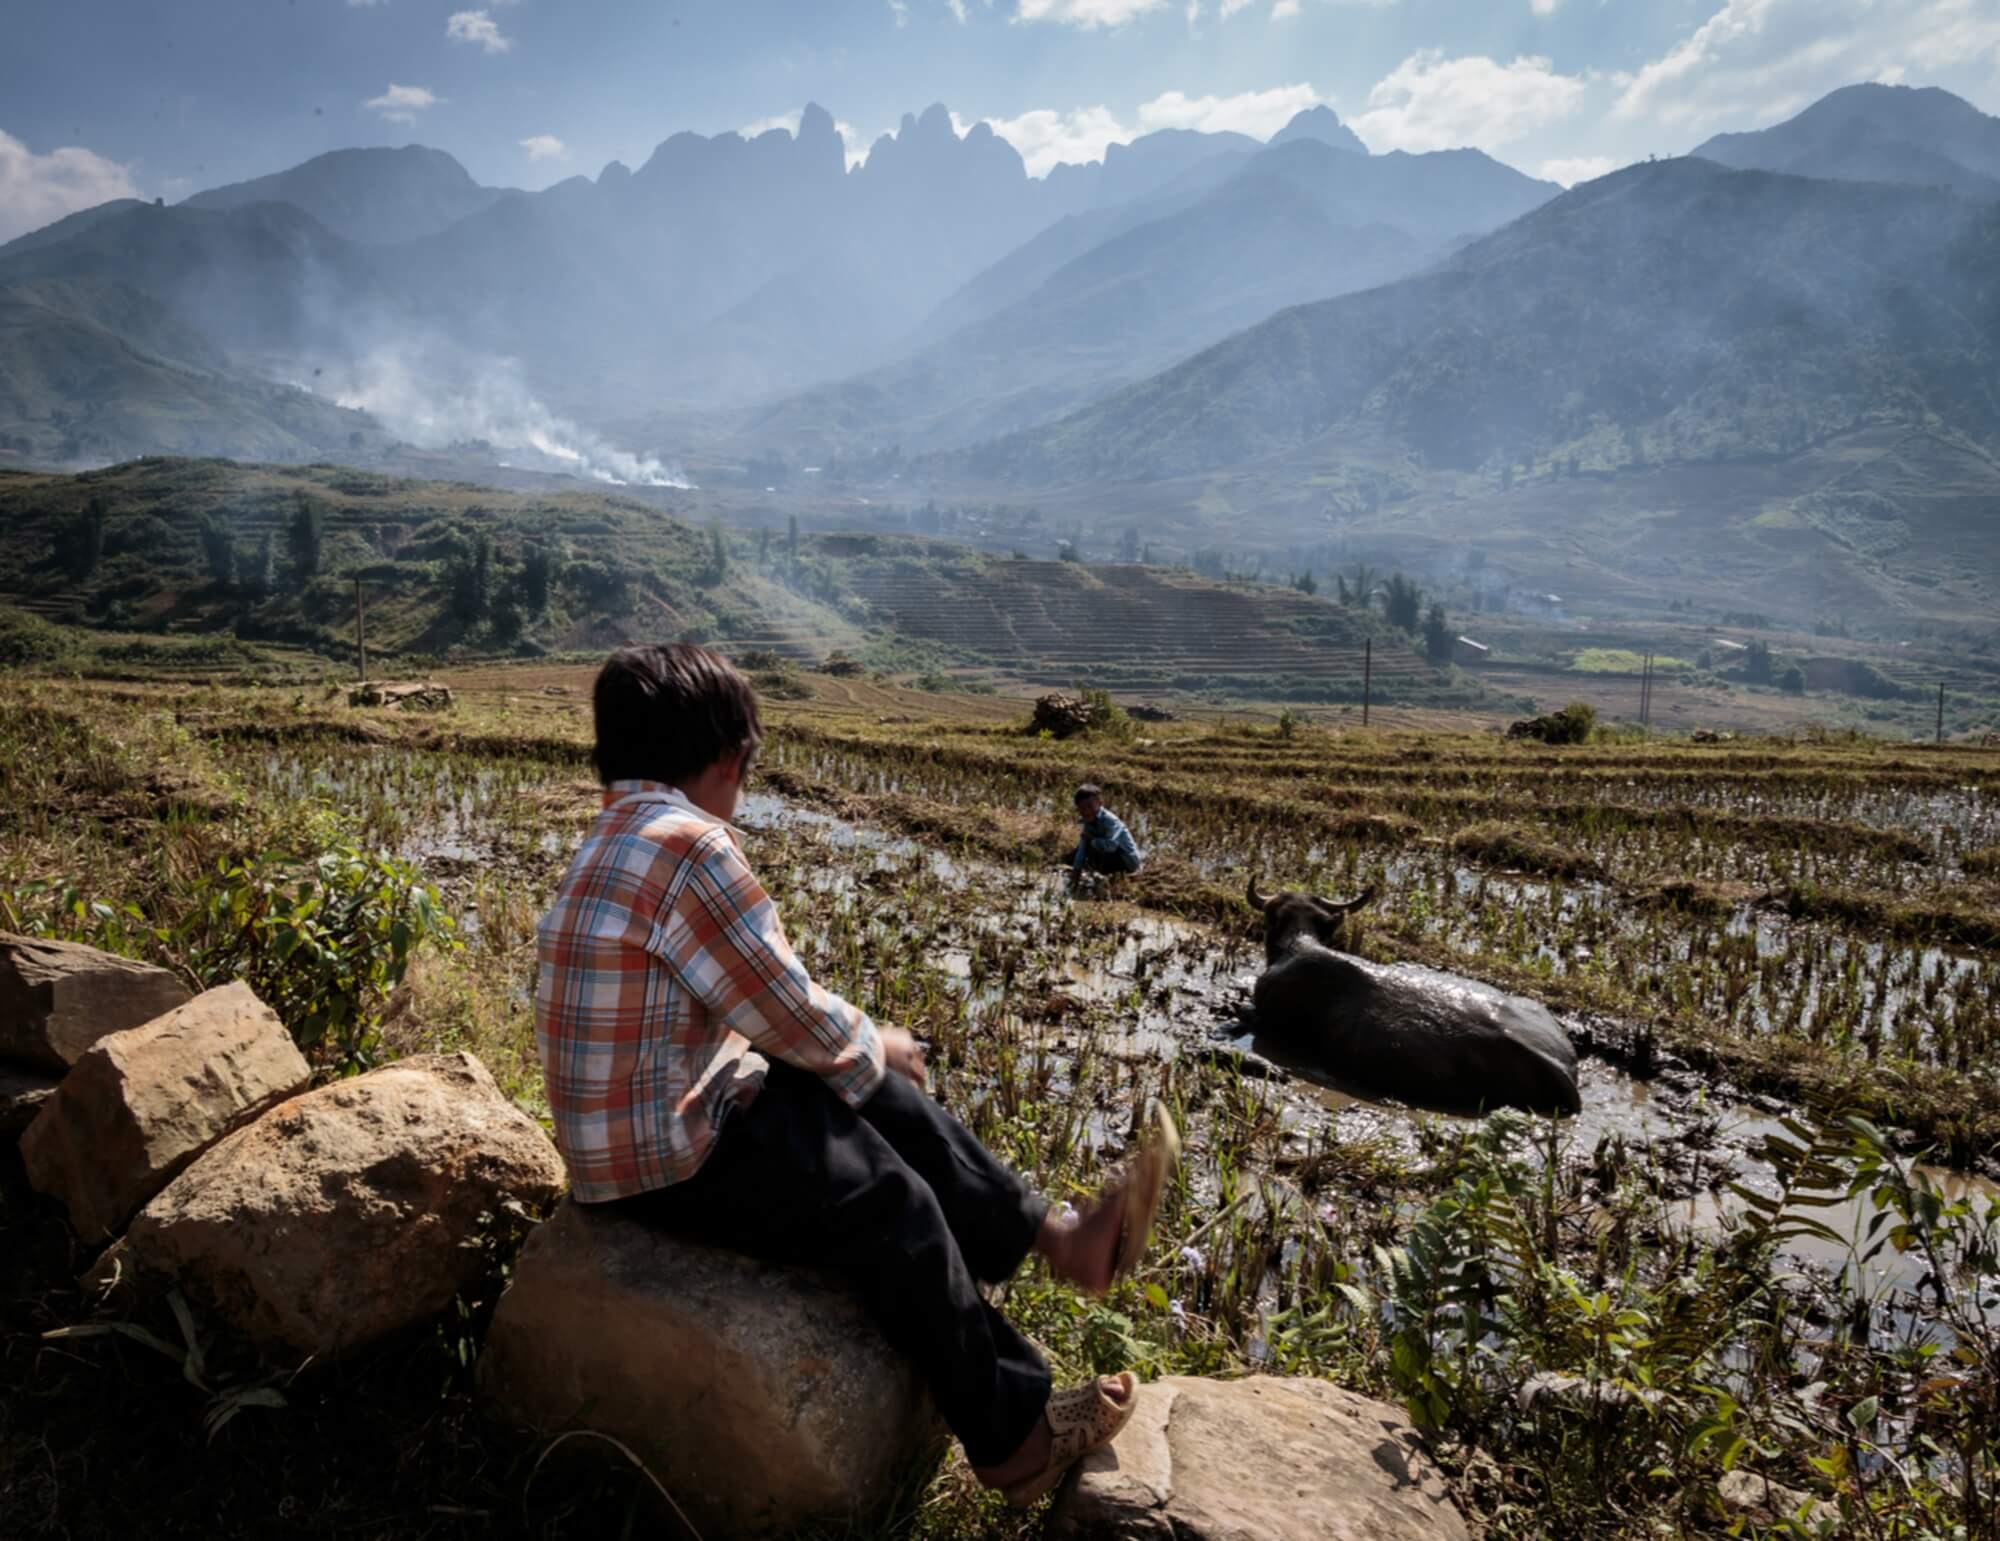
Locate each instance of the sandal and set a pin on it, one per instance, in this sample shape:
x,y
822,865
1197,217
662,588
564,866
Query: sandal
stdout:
x,y
1084,1419
1145,1186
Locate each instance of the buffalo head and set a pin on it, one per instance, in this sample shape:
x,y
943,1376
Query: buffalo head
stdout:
x,y
1288,918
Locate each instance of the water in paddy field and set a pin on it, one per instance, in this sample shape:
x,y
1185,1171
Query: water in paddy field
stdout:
x,y
1133,986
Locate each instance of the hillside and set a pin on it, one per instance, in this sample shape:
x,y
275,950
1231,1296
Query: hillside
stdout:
x,y
1137,629
1674,310
90,369
203,548
1877,133
1300,221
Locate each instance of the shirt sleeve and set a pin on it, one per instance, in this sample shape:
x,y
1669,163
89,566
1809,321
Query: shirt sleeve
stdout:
x,y
721,935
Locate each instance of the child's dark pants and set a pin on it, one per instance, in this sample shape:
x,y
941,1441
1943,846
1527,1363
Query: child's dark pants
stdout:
x,y
902,1199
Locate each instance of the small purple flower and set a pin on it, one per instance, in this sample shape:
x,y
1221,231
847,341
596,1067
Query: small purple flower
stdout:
x,y
1194,1257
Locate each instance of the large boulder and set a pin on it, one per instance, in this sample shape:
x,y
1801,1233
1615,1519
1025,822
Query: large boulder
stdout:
x,y
1262,1459
348,1212
764,1398
141,1104
58,998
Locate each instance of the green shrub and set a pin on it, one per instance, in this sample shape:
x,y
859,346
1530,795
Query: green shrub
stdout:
x,y
323,941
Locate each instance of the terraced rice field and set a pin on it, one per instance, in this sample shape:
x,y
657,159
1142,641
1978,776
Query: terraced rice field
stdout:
x,y
1596,1320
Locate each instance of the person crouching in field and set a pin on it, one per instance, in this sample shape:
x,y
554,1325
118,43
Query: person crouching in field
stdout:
x,y
703,1083
1106,845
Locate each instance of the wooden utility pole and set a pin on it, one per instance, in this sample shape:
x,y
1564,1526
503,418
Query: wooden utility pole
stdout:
x,y
1940,735
1646,692
1367,676
360,632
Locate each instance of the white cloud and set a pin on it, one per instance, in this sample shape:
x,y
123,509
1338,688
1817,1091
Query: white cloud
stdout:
x,y
1544,7
900,9
359,4
1756,61
36,190
545,147
478,28
957,10
1087,14
1046,138
1431,102
1281,9
1230,7
1579,168
1259,114
401,104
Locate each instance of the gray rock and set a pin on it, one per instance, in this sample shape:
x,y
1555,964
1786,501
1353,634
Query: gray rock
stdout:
x,y
141,1104
58,998
1263,1459
1772,1503
350,1211
763,1398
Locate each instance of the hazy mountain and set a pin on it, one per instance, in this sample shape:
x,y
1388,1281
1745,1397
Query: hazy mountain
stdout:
x,y
90,369
374,196
1877,133
1300,221
264,278
1675,309
1323,124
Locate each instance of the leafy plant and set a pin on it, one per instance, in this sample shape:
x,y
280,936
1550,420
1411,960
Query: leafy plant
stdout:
x,y
323,941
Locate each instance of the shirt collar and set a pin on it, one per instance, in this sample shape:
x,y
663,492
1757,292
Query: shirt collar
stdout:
x,y
628,794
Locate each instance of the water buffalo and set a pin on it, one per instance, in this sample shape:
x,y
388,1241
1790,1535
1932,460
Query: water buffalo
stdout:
x,y
1429,1039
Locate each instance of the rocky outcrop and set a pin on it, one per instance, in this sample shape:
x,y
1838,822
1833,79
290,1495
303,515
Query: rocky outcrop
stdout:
x,y
764,1398
58,998
350,1211
1262,1459
141,1104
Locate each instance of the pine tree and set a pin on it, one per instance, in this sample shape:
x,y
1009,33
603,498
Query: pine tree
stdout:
x,y
303,538
1438,639
218,549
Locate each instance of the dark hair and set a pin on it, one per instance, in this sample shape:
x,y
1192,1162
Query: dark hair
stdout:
x,y
668,713
1089,789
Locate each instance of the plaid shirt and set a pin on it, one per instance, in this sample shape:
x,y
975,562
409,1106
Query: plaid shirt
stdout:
x,y
663,968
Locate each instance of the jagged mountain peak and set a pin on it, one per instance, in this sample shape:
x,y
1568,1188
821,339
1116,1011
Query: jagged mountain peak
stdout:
x,y
1321,123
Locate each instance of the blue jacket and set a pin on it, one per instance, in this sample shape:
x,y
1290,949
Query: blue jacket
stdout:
x,y
1107,836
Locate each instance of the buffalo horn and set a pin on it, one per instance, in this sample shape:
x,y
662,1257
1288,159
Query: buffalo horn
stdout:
x,y
1257,900
1330,907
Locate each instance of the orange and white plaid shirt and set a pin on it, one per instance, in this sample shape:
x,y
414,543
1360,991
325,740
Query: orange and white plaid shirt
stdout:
x,y
663,971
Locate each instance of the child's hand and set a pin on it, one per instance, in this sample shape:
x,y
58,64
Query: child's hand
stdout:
x,y
904,1056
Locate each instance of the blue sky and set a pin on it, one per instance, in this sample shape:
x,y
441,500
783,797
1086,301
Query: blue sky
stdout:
x,y
104,98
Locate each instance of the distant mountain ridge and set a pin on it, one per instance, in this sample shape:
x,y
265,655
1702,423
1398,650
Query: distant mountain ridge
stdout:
x,y
1877,133
373,196
1299,221
1677,308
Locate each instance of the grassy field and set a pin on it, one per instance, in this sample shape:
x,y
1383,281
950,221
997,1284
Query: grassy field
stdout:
x,y
1751,942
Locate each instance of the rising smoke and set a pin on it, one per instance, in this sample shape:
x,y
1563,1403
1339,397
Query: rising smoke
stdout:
x,y
438,395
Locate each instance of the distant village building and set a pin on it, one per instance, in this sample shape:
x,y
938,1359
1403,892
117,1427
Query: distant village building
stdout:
x,y
1734,647
1470,651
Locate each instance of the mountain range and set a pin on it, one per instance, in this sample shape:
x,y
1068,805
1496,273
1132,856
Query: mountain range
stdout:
x,y
1286,337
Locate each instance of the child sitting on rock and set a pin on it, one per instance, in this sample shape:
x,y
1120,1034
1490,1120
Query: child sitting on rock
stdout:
x,y
701,1081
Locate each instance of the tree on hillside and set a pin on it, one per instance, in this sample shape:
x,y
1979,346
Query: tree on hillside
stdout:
x,y
538,577
1438,639
1128,544
792,539
1758,668
218,550
1793,680
1403,604
79,540
303,539
468,580
1359,587
718,553
254,575
1306,583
